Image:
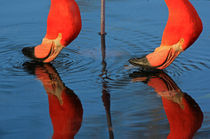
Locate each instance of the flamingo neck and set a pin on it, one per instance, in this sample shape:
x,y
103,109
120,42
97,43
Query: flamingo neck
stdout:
x,y
56,1
175,3
183,23
179,7
61,5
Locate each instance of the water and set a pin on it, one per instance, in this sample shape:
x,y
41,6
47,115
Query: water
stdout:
x,y
102,94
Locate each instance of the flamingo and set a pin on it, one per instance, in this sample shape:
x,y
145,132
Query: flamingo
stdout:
x,y
182,29
63,26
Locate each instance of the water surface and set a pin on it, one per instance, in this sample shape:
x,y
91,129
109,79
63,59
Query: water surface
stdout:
x,y
101,93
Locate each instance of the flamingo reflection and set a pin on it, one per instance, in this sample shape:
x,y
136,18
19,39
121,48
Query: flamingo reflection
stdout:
x,y
183,113
65,108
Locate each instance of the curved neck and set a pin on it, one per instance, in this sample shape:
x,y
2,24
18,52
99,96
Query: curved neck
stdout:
x,y
183,23
175,6
62,1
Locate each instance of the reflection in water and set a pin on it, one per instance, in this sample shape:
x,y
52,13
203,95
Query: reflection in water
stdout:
x,y
105,93
184,115
65,108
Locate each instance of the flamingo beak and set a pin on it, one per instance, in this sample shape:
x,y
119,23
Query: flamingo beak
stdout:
x,y
140,61
161,58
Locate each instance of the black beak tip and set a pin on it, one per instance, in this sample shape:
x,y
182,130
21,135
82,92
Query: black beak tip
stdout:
x,y
28,51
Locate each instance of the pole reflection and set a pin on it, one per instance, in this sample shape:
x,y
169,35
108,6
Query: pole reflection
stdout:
x,y
65,108
183,113
105,93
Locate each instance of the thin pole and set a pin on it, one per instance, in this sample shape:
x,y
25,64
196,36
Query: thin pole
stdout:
x,y
102,17
105,93
103,53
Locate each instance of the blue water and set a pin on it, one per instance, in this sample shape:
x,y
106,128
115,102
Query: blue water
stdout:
x,y
134,28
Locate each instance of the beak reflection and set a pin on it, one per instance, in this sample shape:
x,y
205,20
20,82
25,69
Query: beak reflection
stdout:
x,y
65,108
183,113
